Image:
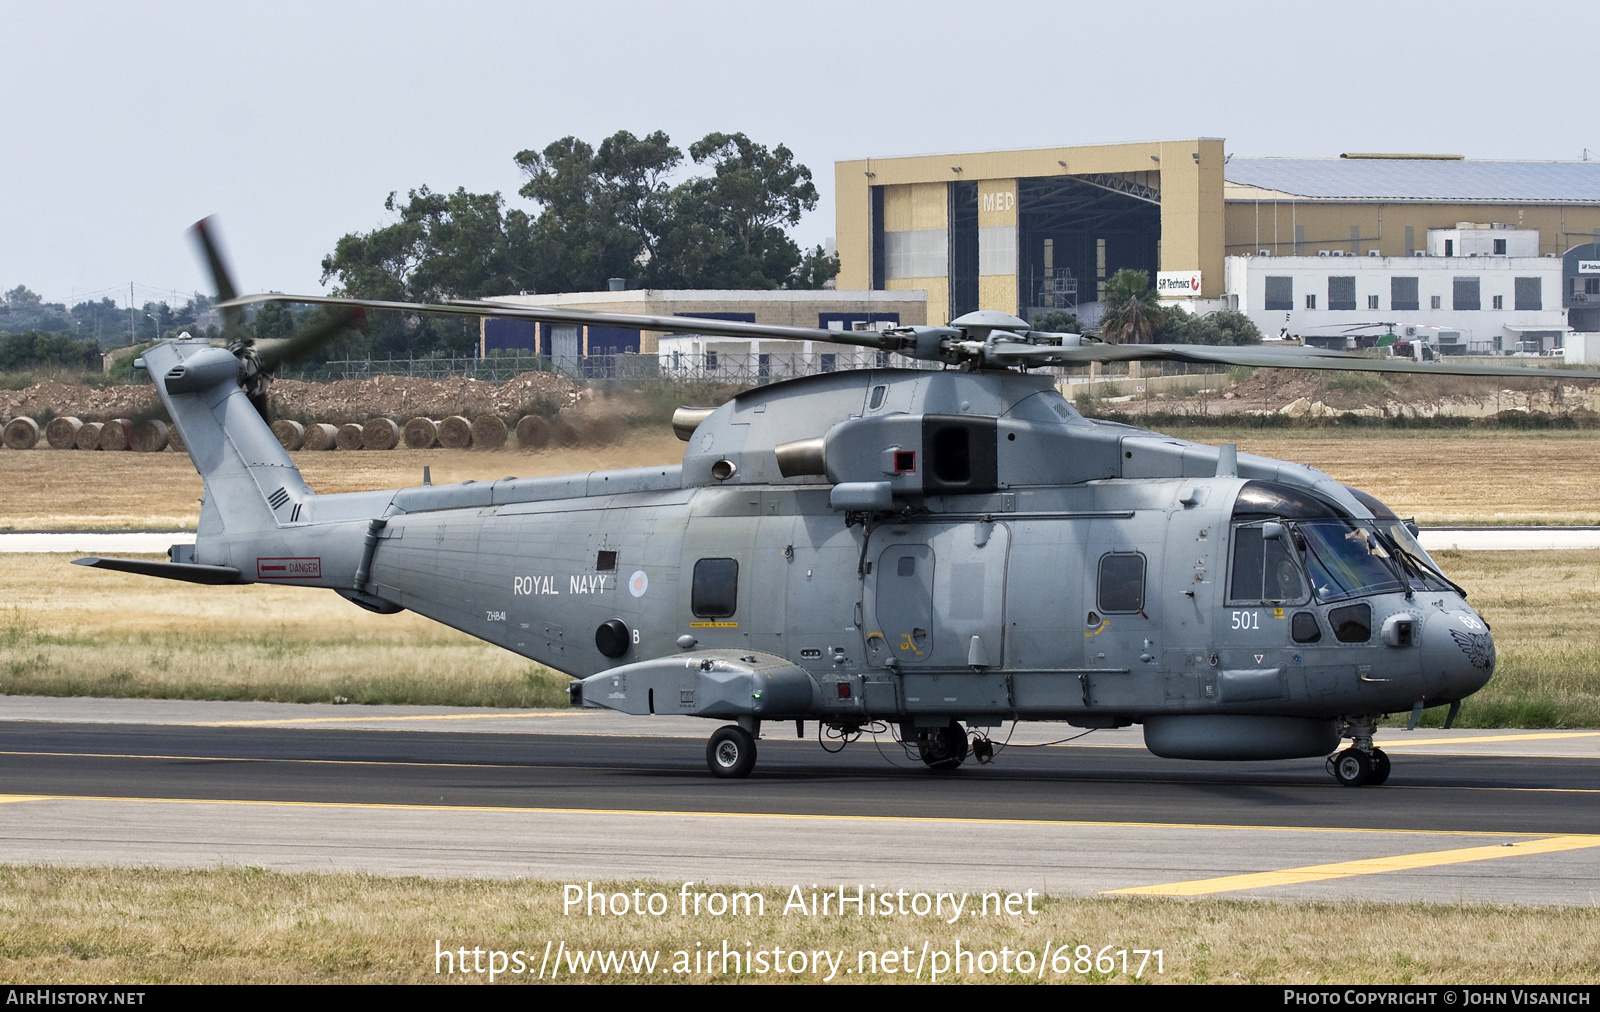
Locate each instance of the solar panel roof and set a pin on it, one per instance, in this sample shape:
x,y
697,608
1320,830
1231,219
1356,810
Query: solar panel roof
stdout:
x,y
1419,179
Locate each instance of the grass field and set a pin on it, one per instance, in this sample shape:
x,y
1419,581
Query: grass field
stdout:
x,y
68,630
71,631
1437,476
141,926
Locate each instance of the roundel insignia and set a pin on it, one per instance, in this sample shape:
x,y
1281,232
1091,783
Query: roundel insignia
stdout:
x,y
638,583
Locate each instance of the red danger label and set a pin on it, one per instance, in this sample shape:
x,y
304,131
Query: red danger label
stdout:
x,y
289,569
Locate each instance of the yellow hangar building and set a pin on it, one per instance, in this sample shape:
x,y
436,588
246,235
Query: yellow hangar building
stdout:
x,y
1023,231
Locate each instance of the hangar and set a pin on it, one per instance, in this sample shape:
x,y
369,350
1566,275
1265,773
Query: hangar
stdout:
x,y
1022,231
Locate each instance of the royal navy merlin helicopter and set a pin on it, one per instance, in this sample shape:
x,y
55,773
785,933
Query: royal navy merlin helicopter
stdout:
x,y
932,551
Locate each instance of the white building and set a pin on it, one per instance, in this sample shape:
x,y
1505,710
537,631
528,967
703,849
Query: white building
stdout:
x,y
1472,304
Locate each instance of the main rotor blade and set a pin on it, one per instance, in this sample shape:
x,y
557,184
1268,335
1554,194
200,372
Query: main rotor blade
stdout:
x,y
1264,357
581,317
221,280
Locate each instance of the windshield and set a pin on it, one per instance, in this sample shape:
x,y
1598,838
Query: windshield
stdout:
x,y
1422,572
1347,558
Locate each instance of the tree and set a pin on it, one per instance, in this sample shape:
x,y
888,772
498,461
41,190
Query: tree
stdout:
x,y
1224,327
817,268
604,212
1056,321
444,246
20,298
1133,313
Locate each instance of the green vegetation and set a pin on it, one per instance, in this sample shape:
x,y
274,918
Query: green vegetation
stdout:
x,y
1133,313
40,350
606,212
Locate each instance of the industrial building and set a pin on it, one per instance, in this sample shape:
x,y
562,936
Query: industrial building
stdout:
x,y
1023,231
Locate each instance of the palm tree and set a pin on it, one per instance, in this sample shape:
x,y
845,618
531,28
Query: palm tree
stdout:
x,y
1133,314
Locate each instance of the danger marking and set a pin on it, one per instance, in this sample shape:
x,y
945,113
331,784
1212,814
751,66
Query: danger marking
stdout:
x,y
289,569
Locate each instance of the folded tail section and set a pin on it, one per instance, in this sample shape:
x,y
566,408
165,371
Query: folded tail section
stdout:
x,y
251,485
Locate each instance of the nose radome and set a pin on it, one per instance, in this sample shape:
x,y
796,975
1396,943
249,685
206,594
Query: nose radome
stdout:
x,y
1458,653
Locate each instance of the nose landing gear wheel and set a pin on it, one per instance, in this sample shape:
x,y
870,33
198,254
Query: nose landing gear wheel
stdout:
x,y
1352,767
731,752
943,748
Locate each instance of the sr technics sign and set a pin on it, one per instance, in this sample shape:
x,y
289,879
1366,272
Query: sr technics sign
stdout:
x,y
1178,284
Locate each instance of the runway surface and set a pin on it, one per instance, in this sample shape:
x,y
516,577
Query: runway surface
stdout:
x,y
1474,816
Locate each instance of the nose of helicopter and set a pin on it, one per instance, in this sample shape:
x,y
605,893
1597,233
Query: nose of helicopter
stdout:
x,y
1458,653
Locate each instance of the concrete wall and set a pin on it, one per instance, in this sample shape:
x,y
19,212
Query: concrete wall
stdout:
x,y
1188,174
916,243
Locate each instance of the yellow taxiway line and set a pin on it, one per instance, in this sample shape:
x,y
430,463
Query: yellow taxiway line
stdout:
x,y
1480,739
1367,866
381,720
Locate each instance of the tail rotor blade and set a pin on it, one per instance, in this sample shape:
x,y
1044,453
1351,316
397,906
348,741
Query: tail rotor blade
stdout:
x,y
221,279
271,353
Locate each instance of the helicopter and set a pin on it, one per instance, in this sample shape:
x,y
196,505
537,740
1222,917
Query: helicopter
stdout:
x,y
932,552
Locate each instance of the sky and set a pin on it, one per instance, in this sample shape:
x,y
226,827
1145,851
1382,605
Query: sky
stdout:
x,y
121,124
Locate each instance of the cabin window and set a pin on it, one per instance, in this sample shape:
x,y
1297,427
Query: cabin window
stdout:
x,y
605,561
1122,582
715,592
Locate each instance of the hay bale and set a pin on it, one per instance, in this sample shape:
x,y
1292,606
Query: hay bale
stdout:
x,y
175,439
290,433
89,435
319,436
149,436
421,434
533,433
116,434
21,433
380,434
62,432
489,432
455,433
564,433
348,436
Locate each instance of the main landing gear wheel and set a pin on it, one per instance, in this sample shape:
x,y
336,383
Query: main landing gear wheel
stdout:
x,y
731,752
1352,767
943,748
1380,768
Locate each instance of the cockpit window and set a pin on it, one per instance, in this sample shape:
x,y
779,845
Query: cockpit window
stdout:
x,y
1264,569
1346,559
1422,572
1266,499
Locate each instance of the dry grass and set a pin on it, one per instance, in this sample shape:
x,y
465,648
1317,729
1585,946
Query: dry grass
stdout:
x,y
62,490
142,926
1448,476
1544,608
1438,476
70,631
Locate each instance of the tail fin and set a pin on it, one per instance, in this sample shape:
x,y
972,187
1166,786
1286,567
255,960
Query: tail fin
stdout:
x,y
251,485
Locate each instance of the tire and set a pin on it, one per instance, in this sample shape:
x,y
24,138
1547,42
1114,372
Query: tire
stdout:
x,y
1380,768
731,752
943,748
1352,767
